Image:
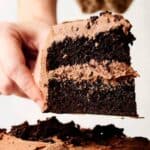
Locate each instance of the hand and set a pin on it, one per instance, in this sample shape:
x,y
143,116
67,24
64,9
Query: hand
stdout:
x,y
19,47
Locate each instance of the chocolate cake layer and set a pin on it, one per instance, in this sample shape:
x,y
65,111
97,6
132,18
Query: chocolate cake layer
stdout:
x,y
54,135
92,97
110,45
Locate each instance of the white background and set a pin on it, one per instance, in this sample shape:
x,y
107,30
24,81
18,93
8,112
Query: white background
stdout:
x,y
14,110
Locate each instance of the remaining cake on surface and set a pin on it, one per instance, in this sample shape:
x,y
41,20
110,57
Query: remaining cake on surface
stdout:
x,y
85,67
53,135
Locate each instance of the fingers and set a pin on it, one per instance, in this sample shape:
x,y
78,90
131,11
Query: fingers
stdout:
x,y
23,78
6,85
13,63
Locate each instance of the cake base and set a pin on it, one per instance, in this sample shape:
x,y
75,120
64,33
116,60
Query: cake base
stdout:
x,y
92,97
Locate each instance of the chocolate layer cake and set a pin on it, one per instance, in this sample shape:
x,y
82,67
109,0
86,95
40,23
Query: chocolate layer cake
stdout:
x,y
85,67
90,6
53,135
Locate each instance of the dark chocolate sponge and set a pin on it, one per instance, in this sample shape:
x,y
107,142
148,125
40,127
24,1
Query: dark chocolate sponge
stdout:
x,y
111,45
94,98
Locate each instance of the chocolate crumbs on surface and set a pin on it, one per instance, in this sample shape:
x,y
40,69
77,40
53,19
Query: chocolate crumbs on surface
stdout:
x,y
105,12
77,29
93,18
118,17
88,26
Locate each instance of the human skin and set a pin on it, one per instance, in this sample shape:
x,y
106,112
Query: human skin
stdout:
x,y
20,45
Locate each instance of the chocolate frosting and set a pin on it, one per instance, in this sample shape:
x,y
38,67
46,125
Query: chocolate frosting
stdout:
x,y
91,71
90,27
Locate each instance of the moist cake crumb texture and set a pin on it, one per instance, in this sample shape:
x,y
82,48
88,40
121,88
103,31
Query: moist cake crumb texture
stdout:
x,y
111,45
95,97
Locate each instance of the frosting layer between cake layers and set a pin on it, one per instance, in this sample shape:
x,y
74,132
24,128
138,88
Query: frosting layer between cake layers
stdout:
x,y
106,70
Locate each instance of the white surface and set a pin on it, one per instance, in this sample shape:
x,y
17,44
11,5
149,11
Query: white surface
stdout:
x,y
14,110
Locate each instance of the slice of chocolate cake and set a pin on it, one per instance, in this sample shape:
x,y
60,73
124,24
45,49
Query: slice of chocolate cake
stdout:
x,y
53,135
85,67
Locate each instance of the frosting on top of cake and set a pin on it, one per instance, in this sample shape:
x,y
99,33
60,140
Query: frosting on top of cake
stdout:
x,y
90,27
